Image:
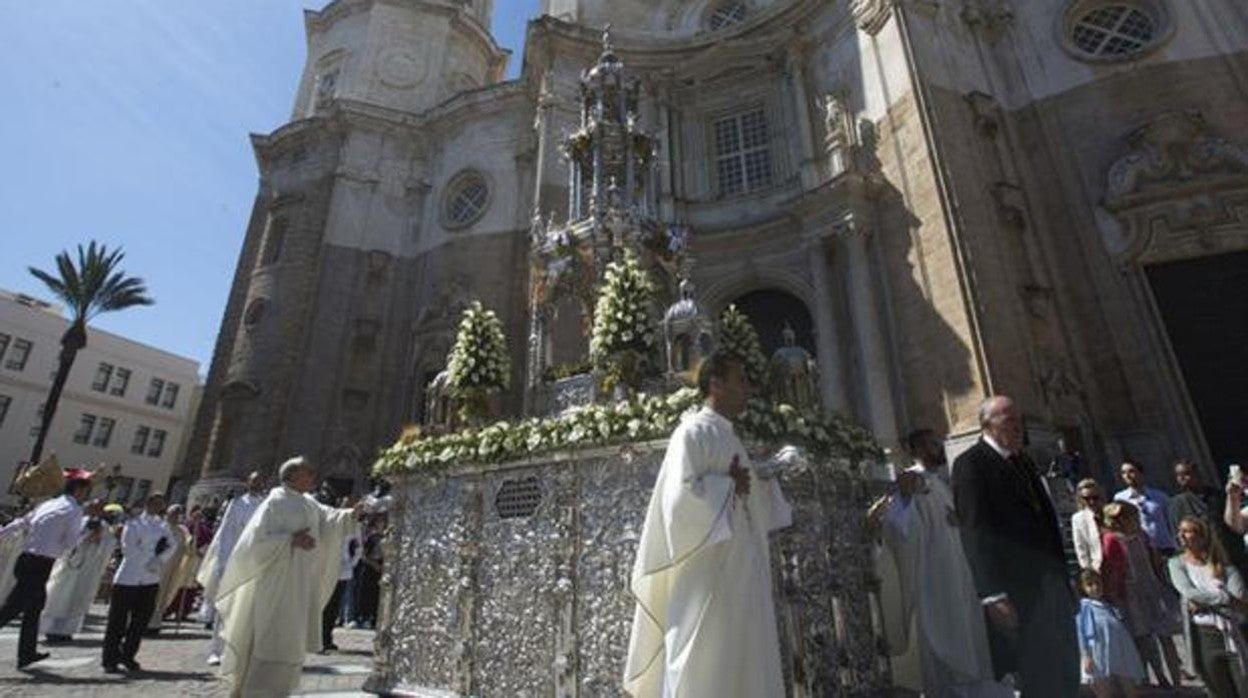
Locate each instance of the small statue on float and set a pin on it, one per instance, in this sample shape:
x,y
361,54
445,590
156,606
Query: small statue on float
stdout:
x,y
687,335
439,403
794,374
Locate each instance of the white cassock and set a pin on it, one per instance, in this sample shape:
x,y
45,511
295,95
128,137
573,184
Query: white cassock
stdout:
x,y
237,513
938,592
704,624
272,593
74,583
12,543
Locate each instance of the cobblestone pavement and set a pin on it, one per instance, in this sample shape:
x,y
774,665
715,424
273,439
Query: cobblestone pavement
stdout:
x,y
173,665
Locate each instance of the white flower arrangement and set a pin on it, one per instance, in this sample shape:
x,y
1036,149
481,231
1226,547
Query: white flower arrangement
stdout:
x,y
738,338
624,339
478,360
643,418
478,363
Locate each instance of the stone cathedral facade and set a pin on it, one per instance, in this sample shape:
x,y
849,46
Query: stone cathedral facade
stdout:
x,y
943,198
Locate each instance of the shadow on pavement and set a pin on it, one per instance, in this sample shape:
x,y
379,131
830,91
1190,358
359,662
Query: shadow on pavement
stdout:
x,y
178,636
35,675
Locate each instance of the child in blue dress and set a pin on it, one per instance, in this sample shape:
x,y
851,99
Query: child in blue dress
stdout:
x,y
1105,645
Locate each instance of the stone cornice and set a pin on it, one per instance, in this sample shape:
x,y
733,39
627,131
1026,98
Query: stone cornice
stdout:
x,y
491,98
266,147
468,24
344,114
840,205
645,52
316,22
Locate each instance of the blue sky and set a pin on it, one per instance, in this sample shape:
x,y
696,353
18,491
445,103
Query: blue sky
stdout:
x,y
127,120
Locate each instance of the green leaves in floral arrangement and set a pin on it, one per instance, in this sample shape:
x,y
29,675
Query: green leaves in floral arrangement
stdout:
x,y
643,418
624,339
478,362
738,338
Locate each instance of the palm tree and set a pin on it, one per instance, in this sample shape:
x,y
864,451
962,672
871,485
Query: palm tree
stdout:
x,y
92,287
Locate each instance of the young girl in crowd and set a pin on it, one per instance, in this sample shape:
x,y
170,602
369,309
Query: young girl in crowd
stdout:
x,y
1105,645
1133,583
1214,606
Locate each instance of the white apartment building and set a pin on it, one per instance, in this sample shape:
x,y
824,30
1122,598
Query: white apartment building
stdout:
x,y
126,405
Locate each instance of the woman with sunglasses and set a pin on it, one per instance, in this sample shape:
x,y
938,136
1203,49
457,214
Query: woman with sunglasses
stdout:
x,y
1085,525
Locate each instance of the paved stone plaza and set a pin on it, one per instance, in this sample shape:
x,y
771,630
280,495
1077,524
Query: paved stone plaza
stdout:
x,y
173,666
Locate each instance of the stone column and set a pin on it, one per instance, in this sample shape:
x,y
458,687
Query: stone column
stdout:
x,y
866,313
832,391
809,165
574,189
664,185
541,124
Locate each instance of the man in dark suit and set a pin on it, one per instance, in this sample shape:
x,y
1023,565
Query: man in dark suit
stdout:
x,y
1014,547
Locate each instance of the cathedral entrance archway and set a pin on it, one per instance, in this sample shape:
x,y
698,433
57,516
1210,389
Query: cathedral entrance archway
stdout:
x,y
770,310
1203,305
1179,233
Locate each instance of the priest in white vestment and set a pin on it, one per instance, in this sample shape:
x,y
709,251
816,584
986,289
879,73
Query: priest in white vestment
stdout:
x,y
75,581
276,583
12,543
230,526
705,624
940,606
179,571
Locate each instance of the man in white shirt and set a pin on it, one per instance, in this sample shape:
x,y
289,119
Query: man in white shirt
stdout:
x,y
55,527
233,520
146,546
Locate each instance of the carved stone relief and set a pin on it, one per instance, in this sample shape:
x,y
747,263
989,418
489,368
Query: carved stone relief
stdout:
x,y
1180,191
1173,149
988,17
985,112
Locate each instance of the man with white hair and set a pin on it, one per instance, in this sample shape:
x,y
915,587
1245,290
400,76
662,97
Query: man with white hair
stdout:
x,y
281,573
233,520
1009,531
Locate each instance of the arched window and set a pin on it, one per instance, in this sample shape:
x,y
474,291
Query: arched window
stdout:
x,y
769,310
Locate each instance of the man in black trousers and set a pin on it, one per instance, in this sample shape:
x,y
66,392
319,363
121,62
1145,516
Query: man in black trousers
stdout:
x,y
146,546
55,527
1013,544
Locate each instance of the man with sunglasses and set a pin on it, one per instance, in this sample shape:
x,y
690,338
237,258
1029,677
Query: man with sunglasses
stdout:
x,y
1084,524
